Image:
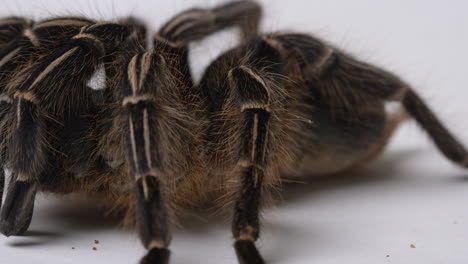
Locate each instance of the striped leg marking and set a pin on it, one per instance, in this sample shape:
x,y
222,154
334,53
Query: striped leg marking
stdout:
x,y
253,99
152,212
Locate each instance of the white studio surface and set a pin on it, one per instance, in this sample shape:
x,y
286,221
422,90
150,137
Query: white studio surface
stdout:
x,y
410,196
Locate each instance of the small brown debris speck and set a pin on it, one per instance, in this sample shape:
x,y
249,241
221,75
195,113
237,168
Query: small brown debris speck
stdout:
x,y
94,248
73,247
388,256
96,242
412,246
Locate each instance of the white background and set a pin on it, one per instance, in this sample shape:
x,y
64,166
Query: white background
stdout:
x,y
411,195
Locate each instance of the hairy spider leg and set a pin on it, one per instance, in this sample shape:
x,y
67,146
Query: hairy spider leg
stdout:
x,y
196,24
346,71
11,28
172,42
148,113
46,34
56,88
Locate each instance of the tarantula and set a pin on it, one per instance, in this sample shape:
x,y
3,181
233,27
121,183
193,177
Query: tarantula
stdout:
x,y
149,140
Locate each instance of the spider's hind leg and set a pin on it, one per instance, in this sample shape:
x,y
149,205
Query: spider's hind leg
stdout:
x,y
445,141
342,70
386,86
196,24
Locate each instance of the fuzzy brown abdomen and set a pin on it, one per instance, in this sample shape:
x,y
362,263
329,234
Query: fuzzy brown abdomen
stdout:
x,y
343,139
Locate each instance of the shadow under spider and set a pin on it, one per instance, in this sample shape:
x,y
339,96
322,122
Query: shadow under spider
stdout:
x,y
35,238
385,168
82,216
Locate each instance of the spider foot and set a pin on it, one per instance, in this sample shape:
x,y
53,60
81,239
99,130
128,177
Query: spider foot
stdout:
x,y
17,211
156,256
247,253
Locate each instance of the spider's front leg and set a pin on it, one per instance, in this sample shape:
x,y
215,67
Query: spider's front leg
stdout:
x,y
22,123
47,102
158,136
152,211
10,29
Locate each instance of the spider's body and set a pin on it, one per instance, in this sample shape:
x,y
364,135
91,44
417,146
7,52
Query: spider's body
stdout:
x,y
324,124
146,138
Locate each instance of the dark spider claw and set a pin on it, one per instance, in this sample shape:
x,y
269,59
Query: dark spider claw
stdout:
x,y
157,256
247,253
17,211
